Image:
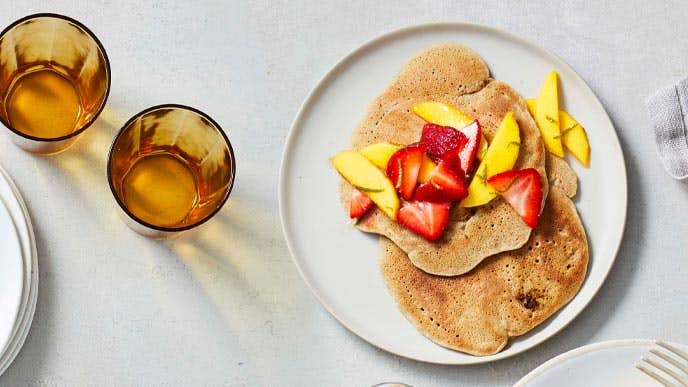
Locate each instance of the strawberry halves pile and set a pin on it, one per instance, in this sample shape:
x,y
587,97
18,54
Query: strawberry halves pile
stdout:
x,y
429,176
432,174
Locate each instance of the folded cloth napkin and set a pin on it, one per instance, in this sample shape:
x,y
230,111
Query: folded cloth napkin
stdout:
x,y
668,110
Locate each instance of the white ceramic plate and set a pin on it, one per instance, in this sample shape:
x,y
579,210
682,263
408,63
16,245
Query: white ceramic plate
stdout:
x,y
11,277
609,364
10,195
340,263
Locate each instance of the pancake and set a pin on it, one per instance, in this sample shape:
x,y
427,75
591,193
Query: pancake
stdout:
x,y
458,76
504,296
560,174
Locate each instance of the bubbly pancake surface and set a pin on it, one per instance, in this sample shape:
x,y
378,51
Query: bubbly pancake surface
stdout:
x,y
560,174
505,295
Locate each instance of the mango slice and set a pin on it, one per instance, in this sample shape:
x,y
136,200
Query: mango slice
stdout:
x,y
426,169
380,153
369,179
574,138
446,115
573,135
482,148
532,106
547,114
501,156
441,114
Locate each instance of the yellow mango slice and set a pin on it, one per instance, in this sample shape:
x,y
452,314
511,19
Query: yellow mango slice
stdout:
x,y
501,156
573,135
380,153
446,115
369,179
426,169
574,138
482,148
441,114
547,114
532,104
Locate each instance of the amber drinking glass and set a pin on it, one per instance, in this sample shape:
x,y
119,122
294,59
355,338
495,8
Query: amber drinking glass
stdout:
x,y
54,81
170,168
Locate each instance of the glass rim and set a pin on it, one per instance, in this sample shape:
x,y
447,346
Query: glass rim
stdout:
x,y
230,185
108,75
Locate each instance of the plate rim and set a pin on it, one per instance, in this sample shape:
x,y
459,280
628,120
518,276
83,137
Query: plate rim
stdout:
x,y
12,205
28,248
16,304
361,49
575,352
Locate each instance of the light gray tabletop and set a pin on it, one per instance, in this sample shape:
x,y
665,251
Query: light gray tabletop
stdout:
x,y
225,305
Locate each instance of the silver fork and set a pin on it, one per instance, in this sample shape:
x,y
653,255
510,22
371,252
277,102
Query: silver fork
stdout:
x,y
675,357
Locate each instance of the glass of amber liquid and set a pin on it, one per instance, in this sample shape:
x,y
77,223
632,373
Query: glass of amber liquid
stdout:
x,y
54,81
170,168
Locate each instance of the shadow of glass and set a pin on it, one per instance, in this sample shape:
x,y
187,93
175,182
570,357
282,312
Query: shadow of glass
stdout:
x,y
238,259
84,164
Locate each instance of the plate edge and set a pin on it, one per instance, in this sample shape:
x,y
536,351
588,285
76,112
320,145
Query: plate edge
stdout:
x,y
539,370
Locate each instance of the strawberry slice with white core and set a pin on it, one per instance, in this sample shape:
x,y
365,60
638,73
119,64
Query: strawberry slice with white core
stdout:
x,y
523,190
360,204
441,139
425,218
462,158
403,168
469,152
444,185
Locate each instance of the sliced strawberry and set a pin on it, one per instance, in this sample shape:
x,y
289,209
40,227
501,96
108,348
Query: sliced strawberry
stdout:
x,y
403,168
523,190
425,218
444,185
461,159
469,152
441,139
503,181
452,159
360,204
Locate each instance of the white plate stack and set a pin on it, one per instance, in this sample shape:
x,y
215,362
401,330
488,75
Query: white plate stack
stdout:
x,y
18,272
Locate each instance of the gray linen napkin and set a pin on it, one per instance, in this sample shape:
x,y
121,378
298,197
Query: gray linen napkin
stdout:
x,y
668,109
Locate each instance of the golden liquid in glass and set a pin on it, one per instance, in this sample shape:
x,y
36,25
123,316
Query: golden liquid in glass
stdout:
x,y
43,104
160,189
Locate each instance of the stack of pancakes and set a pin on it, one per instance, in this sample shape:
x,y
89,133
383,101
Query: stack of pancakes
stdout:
x,y
490,277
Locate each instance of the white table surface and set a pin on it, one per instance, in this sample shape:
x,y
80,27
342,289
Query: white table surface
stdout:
x,y
225,305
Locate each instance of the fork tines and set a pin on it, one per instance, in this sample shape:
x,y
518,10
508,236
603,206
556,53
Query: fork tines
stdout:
x,y
666,368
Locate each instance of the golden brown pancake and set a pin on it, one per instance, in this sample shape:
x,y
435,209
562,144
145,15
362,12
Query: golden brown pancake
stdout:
x,y
505,295
560,174
458,76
